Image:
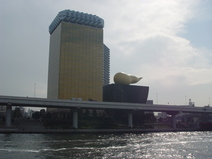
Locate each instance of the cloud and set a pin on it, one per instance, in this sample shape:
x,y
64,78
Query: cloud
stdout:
x,y
163,56
138,19
148,43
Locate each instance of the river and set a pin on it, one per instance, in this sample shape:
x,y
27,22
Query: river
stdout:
x,y
162,145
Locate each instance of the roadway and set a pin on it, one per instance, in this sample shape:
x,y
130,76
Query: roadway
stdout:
x,y
59,103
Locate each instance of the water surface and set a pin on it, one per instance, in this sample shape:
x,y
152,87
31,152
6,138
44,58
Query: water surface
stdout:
x,y
197,145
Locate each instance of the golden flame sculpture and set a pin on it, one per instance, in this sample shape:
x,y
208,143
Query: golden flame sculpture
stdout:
x,y
122,78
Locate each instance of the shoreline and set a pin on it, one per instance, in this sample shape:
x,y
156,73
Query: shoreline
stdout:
x,y
72,131
37,127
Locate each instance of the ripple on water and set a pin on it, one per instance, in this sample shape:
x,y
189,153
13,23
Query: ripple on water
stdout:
x,y
148,145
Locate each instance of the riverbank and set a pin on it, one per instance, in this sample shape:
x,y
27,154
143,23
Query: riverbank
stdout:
x,y
54,131
36,126
93,130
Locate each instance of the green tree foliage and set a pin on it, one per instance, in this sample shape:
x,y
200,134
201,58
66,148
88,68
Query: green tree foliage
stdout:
x,y
17,113
36,115
149,117
94,113
48,115
87,113
42,113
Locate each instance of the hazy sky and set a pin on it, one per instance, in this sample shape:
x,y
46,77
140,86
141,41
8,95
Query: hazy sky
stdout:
x,y
167,42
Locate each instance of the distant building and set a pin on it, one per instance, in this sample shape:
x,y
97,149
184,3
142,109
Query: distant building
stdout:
x,y
2,111
2,108
125,93
149,102
191,104
106,66
162,115
29,113
78,59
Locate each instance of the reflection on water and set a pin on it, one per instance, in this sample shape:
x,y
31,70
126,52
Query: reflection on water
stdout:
x,y
149,145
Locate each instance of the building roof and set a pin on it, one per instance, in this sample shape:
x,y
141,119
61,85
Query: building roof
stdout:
x,y
76,17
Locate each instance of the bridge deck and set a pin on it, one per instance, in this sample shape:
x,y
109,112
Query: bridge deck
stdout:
x,y
59,103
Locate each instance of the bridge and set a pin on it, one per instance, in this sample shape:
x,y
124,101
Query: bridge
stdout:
x,y
173,110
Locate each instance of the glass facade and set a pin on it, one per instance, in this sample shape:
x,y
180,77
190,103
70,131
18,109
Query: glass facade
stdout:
x,y
54,62
76,17
106,66
76,62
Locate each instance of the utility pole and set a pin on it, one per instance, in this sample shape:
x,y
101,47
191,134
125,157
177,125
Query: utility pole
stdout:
x,y
34,90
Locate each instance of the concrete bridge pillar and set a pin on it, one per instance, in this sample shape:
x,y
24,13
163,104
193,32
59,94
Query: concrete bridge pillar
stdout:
x,y
75,119
8,116
174,121
130,120
185,120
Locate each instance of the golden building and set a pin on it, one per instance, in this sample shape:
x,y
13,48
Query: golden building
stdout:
x,y
76,56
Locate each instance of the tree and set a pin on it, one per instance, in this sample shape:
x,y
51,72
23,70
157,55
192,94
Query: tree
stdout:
x,y
17,113
87,113
42,113
149,117
36,115
94,113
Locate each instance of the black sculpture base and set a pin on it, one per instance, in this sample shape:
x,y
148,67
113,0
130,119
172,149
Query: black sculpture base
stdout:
x,y
125,93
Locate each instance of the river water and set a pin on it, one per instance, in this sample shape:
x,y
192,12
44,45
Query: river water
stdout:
x,y
166,145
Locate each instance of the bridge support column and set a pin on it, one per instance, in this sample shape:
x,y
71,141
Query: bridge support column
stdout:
x,y
130,120
8,116
75,119
185,120
174,121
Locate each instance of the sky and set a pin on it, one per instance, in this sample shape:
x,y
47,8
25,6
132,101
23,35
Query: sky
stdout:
x,y
168,43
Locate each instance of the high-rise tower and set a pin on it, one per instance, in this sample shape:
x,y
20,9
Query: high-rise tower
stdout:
x,y
76,56
106,66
